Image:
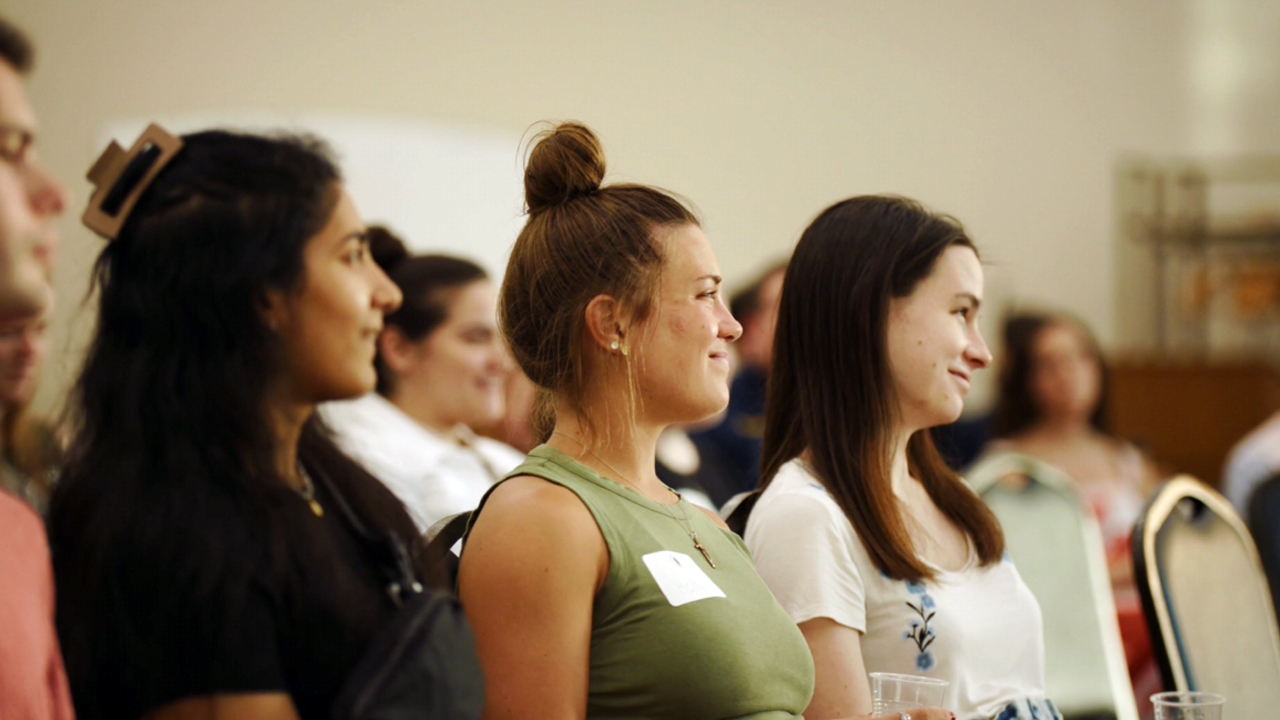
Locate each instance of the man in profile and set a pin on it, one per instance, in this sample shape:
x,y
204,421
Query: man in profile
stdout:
x,y
33,683
30,199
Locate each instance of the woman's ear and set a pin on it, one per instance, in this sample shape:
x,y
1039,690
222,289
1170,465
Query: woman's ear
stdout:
x,y
398,352
606,325
273,307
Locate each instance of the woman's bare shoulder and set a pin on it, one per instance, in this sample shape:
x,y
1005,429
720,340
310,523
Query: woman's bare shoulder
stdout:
x,y
527,527
532,503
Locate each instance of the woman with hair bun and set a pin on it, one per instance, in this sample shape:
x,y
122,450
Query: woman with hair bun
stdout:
x,y
594,590
441,368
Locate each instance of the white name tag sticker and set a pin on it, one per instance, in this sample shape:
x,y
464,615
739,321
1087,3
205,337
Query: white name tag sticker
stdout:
x,y
680,578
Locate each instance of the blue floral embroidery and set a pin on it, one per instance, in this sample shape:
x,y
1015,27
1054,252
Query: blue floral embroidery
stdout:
x,y
920,633
1030,709
924,662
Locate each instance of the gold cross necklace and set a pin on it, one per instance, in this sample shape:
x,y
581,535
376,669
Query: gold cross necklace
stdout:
x,y
685,524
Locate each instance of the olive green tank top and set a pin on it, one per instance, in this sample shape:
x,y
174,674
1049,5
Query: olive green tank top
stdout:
x,y
671,636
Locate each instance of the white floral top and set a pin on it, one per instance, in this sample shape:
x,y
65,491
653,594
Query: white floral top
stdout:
x,y
978,628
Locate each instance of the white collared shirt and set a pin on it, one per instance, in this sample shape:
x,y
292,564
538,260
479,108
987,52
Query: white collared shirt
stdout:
x,y
434,477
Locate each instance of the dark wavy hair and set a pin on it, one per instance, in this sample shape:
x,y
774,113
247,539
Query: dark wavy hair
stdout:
x,y
173,463
1016,408
426,282
831,390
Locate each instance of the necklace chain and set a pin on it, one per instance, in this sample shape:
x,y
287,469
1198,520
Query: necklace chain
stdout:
x,y
308,491
685,524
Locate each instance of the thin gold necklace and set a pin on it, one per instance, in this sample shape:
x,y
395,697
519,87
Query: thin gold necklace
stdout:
x,y
685,524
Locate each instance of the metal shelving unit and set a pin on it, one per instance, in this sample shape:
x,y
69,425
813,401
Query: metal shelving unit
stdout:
x,y
1212,226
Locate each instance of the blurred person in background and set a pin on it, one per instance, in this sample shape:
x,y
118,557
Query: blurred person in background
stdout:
x,y
1052,405
1252,461
32,681
883,556
442,371
217,555
682,466
730,450
29,446
516,427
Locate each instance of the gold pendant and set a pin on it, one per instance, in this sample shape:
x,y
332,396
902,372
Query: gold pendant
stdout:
x,y
315,507
702,550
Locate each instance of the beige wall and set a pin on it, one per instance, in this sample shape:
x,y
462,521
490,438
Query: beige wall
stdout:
x,y
1008,115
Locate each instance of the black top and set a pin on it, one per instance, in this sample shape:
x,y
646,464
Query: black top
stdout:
x,y
301,630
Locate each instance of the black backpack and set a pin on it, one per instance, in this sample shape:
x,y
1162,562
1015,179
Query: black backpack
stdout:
x,y
422,664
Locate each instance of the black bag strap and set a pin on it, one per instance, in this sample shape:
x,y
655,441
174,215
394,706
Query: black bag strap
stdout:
x,y
389,551
737,520
446,531
440,539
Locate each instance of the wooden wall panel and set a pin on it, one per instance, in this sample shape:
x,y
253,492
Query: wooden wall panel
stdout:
x,y
1188,415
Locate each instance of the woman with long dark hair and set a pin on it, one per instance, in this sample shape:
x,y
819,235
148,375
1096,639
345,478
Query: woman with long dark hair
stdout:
x,y
206,531
883,556
595,591
441,373
1052,404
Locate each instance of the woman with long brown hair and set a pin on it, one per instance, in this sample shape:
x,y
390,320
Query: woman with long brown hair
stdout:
x,y
594,590
883,556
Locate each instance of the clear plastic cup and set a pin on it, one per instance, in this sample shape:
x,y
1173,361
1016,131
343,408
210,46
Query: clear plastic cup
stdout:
x,y
893,693
1188,706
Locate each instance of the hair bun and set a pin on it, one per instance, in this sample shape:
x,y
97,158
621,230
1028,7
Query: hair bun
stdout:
x,y
387,249
567,161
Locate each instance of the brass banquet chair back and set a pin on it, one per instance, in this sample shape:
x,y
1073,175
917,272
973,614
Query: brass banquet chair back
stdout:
x,y
1206,599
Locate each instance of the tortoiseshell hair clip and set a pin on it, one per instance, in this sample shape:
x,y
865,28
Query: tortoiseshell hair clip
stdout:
x,y
121,177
